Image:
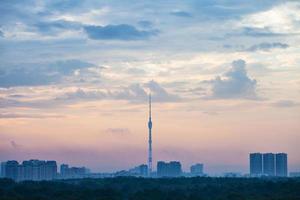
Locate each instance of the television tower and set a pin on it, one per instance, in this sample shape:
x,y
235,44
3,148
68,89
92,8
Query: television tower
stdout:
x,y
150,139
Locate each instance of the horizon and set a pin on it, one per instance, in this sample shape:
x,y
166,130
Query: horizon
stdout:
x,y
224,79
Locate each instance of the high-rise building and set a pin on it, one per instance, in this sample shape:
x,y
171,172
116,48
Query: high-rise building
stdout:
x,y
256,164
64,170
143,170
161,168
171,169
175,168
197,169
269,164
3,169
139,171
50,170
30,170
72,172
11,169
281,164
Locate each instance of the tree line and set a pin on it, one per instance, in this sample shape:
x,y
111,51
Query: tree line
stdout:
x,y
130,188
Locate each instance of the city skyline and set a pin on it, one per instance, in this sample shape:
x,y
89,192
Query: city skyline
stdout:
x,y
75,79
261,165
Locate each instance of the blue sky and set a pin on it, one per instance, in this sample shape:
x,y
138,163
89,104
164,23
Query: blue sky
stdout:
x,y
91,60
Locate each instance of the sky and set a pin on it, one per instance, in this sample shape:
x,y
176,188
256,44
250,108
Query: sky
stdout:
x,y
75,78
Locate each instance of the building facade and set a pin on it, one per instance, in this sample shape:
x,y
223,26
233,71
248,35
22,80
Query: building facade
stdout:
x,y
35,170
67,172
197,169
256,164
269,164
281,164
3,169
143,170
11,169
171,169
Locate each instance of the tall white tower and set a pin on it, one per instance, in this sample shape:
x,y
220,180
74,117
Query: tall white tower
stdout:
x,y
150,140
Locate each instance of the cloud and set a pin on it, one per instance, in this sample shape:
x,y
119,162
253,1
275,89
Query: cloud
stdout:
x,y
38,116
285,103
63,6
14,144
134,93
136,71
196,91
13,11
264,46
55,27
145,24
228,9
17,95
259,32
81,94
117,131
181,14
139,93
25,77
267,46
281,19
117,32
159,93
1,34
34,74
5,103
67,67
234,84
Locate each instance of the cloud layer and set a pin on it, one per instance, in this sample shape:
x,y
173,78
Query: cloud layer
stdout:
x,y
35,74
234,84
136,93
117,32
267,46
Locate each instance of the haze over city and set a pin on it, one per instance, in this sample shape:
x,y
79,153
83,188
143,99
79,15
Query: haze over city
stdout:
x,y
75,78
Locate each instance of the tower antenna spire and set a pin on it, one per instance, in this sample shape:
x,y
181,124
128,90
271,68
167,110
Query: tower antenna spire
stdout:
x,y
150,139
150,105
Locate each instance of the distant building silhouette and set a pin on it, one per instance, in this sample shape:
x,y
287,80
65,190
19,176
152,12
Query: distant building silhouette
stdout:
x,y
197,169
281,164
11,169
256,164
139,171
67,172
143,170
29,170
269,164
64,170
232,174
294,174
171,169
3,169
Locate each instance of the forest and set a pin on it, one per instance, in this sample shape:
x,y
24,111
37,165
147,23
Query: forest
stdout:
x,y
131,188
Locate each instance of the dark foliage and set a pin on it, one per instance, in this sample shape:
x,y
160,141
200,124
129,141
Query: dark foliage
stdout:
x,y
153,189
